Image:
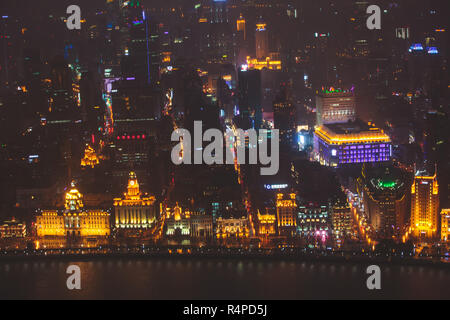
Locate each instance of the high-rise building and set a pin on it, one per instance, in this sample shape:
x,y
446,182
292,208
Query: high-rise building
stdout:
x,y
250,96
135,210
132,145
218,44
62,106
241,26
141,57
262,41
284,113
425,206
335,106
445,225
384,194
342,221
287,214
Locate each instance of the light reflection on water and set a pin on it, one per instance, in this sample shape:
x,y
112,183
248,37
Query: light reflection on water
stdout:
x,y
217,279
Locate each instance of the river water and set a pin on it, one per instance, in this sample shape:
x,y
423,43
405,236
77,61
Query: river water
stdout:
x,y
164,278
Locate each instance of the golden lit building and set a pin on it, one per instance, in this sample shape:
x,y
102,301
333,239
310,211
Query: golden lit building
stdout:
x,y
50,223
135,210
263,63
232,228
75,221
425,206
177,221
87,224
90,158
287,213
266,224
445,225
240,25
13,229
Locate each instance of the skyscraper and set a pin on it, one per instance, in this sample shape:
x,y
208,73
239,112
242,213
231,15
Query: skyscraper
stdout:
x,y
286,214
262,41
141,58
284,113
425,206
250,95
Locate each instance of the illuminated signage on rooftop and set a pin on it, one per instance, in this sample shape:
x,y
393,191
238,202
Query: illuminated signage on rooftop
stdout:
x,y
275,186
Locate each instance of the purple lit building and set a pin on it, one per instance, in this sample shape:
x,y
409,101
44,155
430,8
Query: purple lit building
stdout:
x,y
348,143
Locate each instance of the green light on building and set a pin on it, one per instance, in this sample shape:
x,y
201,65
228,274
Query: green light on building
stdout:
x,y
387,184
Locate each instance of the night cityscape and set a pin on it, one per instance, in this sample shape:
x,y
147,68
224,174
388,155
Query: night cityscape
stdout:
x,y
189,147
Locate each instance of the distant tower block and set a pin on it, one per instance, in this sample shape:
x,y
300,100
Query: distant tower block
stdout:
x,y
335,106
425,206
262,41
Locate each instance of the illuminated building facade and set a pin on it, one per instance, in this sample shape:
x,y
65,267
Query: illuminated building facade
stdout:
x,y
90,223
350,143
445,225
342,221
314,222
241,26
335,106
237,228
178,222
425,206
13,229
201,226
286,213
134,210
90,158
75,220
50,223
266,224
264,63
384,196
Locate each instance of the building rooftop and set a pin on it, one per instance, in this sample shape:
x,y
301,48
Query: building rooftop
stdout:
x,y
351,132
335,92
